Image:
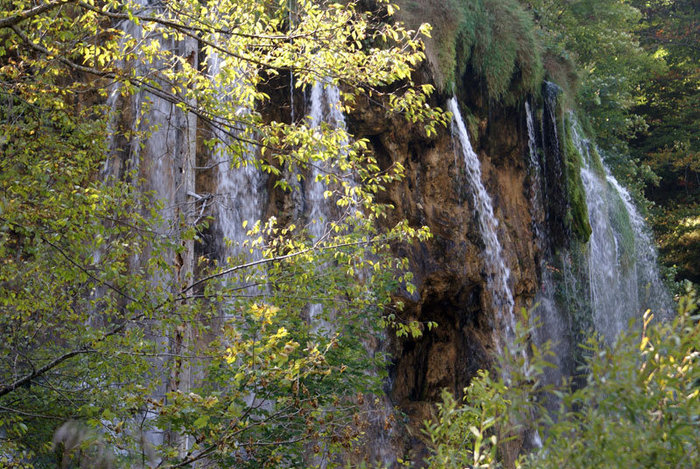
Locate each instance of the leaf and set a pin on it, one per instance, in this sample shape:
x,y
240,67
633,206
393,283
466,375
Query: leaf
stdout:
x,y
201,421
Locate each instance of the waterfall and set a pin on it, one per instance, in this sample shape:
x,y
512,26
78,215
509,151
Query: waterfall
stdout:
x,y
497,274
623,278
325,107
651,290
318,209
155,139
554,325
554,194
290,4
239,198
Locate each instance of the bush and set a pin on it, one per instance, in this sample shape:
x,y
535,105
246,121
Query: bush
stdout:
x,y
640,401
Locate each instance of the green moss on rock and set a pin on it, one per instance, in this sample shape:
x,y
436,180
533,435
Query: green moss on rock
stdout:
x,y
577,215
506,52
622,225
497,37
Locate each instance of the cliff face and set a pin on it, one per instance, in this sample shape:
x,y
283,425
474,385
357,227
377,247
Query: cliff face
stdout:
x,y
452,272
449,270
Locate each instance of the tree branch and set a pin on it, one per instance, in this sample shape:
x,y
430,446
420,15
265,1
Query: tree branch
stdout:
x,y
14,20
66,356
315,247
49,366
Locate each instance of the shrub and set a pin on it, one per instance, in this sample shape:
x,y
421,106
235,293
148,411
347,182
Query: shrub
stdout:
x,y
640,401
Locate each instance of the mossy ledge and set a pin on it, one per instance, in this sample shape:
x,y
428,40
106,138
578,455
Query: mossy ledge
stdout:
x,y
577,215
496,38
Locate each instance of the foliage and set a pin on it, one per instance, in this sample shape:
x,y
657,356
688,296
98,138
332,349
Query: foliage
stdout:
x,y
497,407
496,37
669,103
647,383
678,228
105,319
463,435
598,35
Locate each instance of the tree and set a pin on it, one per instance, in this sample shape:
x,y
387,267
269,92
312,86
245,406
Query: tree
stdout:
x,y
97,274
598,36
670,146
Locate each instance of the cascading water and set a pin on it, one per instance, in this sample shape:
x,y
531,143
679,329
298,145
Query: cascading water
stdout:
x,y
153,138
239,197
651,290
535,174
497,273
623,277
600,283
554,325
325,107
554,194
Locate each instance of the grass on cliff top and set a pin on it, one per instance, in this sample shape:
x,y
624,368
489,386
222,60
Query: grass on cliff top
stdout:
x,y
496,37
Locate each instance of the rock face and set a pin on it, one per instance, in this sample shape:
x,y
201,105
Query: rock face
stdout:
x,y
449,269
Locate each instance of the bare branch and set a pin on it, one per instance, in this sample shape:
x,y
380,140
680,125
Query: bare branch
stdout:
x,y
49,366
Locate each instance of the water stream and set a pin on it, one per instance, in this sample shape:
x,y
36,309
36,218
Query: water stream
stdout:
x,y
160,152
324,108
496,272
623,274
239,196
651,291
554,325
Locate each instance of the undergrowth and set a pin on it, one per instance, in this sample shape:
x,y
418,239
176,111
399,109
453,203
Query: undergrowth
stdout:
x,y
639,397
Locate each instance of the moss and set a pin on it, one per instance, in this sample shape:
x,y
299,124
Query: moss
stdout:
x,y
506,52
496,37
472,124
451,21
624,232
596,161
577,215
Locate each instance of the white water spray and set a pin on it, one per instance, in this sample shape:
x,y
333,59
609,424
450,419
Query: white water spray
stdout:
x,y
652,293
239,195
623,276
